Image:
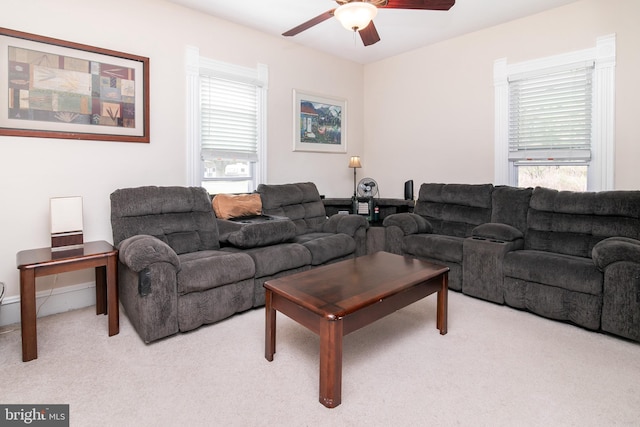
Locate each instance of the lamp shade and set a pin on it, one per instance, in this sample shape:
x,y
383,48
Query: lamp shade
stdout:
x,y
66,214
354,162
66,222
356,15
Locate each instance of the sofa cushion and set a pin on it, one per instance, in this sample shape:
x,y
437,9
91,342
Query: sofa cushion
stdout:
x,y
552,269
209,269
270,260
573,223
434,246
181,217
236,205
454,209
325,247
509,205
262,234
300,202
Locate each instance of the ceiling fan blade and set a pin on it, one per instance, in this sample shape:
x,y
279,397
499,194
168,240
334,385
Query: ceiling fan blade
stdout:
x,y
310,23
419,4
369,34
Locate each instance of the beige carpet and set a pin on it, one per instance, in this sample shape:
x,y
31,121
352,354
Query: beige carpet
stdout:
x,y
496,367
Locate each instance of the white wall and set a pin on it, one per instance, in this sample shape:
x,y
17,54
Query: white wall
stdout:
x,y
32,170
429,113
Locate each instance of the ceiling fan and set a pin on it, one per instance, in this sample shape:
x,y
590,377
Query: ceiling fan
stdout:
x,y
357,15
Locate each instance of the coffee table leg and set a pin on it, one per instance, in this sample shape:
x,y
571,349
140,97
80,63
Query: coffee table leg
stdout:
x,y
441,321
270,327
331,331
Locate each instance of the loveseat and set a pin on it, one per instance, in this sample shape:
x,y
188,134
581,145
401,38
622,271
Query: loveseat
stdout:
x,y
569,256
180,267
293,216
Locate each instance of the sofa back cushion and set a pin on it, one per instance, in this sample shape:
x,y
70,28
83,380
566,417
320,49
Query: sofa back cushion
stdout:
x,y
509,205
182,217
572,223
454,209
300,202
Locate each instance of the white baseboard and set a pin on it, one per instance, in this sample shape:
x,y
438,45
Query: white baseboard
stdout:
x,y
50,302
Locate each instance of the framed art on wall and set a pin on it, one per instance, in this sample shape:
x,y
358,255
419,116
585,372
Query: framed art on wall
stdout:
x,y
319,123
52,88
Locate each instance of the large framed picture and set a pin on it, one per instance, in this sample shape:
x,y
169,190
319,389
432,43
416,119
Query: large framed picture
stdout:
x,y
52,88
319,123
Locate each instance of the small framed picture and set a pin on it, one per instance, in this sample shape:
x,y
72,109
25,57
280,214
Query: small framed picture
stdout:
x,y
320,123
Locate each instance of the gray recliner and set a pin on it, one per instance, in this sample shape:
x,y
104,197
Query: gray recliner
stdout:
x,y
172,274
443,217
328,239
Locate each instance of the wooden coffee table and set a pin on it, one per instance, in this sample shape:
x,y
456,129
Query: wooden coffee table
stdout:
x,y
336,299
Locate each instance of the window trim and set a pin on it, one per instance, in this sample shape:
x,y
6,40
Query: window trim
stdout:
x,y
195,65
601,167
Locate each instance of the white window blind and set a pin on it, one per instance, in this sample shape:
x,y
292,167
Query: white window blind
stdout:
x,y
228,119
550,115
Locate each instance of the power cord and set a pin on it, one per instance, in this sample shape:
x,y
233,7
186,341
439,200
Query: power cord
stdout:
x,y
55,280
1,298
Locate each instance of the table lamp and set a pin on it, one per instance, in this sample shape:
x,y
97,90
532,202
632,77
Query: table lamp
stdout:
x,y
354,163
66,223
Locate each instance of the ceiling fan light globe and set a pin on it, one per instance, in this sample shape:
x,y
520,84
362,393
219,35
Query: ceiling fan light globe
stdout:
x,y
356,15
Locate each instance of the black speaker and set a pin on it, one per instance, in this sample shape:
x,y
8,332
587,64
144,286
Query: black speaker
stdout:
x,y
408,190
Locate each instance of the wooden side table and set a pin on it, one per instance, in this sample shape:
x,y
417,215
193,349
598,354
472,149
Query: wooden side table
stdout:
x,y
43,262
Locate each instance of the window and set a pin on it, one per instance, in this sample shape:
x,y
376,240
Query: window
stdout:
x,y
554,120
227,119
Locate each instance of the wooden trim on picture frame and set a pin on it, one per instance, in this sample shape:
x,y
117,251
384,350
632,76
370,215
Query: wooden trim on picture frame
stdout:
x,y
320,123
51,88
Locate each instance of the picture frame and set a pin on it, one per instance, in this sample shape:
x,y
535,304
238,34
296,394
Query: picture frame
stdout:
x,y
320,123
51,88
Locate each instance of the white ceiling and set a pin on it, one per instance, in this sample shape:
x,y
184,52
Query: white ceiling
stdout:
x,y
400,30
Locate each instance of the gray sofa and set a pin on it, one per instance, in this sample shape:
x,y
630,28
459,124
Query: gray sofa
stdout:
x,y
569,256
180,267
312,238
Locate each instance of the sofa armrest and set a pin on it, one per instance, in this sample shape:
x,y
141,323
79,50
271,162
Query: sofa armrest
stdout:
x,y
497,231
615,249
147,286
226,227
347,224
409,223
140,251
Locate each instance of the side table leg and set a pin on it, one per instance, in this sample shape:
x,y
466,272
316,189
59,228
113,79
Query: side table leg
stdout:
x,y
270,327
331,331
28,315
112,295
101,290
441,321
